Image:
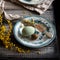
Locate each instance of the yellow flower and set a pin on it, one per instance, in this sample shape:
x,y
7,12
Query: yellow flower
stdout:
x,y
5,37
6,46
3,28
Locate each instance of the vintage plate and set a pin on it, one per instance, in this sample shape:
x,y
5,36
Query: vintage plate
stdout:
x,y
32,2
40,41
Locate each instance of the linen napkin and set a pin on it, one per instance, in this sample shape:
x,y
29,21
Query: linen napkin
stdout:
x,y
7,16
40,8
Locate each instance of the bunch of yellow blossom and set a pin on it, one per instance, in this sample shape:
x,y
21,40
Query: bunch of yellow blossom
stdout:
x,y
5,37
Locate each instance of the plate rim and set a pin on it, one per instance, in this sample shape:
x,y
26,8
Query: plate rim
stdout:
x,y
29,3
39,45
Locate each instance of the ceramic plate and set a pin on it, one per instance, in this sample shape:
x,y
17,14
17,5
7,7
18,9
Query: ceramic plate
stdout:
x,y
31,2
42,39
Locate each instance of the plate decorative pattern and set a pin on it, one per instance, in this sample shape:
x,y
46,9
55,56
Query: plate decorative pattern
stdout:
x,y
42,40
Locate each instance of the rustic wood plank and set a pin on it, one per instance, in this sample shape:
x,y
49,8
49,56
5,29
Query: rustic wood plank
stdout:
x,y
34,54
43,51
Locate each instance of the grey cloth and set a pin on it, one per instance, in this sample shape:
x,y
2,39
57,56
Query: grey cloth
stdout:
x,y
40,8
7,16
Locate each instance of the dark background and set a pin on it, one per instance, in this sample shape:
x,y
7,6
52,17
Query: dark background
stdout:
x,y
57,21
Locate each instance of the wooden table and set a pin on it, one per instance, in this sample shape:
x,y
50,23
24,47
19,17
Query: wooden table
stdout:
x,y
48,51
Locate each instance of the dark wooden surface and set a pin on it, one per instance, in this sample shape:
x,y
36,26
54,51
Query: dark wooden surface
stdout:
x,y
57,18
48,51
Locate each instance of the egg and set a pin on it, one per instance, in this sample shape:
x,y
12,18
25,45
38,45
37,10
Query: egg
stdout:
x,y
28,30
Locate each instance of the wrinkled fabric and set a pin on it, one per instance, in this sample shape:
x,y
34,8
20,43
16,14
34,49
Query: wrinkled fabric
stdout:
x,y
40,8
7,16
1,6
